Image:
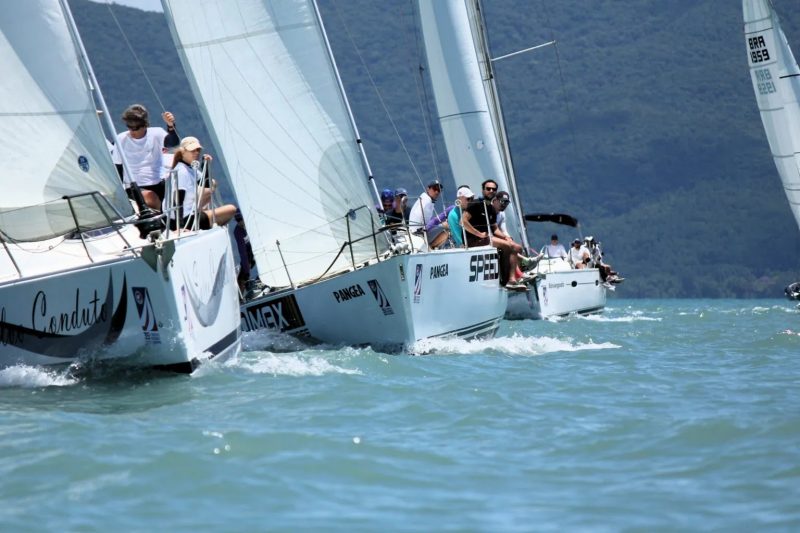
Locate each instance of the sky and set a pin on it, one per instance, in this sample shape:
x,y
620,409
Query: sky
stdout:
x,y
147,5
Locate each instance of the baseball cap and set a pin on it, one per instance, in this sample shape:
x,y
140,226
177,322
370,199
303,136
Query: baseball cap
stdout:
x,y
190,143
400,192
464,192
387,194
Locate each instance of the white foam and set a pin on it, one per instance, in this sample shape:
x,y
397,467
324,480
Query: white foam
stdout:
x,y
34,377
513,345
635,317
287,365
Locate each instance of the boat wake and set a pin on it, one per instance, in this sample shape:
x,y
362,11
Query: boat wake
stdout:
x,y
297,364
512,345
30,377
633,317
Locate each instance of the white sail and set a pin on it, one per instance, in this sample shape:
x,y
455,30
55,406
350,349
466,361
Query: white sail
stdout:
x,y
776,82
465,95
268,89
53,145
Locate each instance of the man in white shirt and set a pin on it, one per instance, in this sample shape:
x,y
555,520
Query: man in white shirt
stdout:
x,y
423,209
579,255
555,249
142,147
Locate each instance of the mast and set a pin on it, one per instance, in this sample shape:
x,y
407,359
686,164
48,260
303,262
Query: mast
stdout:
x,y
482,44
346,102
94,87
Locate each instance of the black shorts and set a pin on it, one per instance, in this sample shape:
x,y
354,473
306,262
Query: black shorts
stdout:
x,y
204,222
158,188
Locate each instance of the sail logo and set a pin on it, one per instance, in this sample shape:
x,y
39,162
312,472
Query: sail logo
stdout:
x,y
380,297
418,284
483,267
147,315
764,83
83,163
439,271
759,52
281,314
348,293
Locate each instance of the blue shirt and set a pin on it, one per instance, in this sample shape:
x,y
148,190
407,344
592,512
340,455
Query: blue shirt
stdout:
x,y
454,221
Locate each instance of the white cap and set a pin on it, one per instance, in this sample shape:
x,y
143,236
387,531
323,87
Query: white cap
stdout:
x,y
464,192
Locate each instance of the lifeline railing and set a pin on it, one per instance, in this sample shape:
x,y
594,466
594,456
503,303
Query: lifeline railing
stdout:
x,y
104,206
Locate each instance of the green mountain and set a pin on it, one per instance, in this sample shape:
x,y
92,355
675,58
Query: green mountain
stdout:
x,y
641,122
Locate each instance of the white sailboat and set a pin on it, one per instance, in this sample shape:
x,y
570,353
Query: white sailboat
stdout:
x,y
471,119
76,279
269,91
776,82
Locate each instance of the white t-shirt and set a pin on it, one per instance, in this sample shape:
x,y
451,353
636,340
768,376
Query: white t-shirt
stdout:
x,y
555,250
577,255
501,221
421,212
187,181
142,155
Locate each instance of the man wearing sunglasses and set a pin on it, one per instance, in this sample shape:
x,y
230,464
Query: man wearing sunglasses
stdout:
x,y
142,146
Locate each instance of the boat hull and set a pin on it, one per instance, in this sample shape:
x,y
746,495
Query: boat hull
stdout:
x,y
559,294
167,305
391,304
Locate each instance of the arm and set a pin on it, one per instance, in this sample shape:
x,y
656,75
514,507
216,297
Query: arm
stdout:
x,y
465,223
172,139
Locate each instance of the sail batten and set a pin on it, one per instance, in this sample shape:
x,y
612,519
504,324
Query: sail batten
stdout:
x,y
268,91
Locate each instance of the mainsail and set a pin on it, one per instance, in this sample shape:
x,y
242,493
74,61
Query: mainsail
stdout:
x,y
269,92
466,100
53,145
776,82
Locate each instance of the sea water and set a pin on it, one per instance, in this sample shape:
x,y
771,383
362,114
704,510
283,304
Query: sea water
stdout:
x,y
656,415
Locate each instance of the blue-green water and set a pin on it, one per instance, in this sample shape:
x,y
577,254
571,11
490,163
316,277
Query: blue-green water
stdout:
x,y
657,415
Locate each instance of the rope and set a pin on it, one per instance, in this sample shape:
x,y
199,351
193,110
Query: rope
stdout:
x,y
378,93
135,56
561,80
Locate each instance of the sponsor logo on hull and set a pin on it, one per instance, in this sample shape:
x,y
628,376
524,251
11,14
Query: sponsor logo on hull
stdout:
x,y
208,310
47,333
147,315
380,297
281,314
484,267
418,284
439,271
348,293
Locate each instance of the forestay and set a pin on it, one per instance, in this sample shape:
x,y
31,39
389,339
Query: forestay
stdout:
x,y
466,100
269,93
53,143
776,82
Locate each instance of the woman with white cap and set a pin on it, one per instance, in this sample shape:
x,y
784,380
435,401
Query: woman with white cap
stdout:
x,y
186,187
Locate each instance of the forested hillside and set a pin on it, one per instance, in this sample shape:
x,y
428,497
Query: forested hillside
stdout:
x,y
642,123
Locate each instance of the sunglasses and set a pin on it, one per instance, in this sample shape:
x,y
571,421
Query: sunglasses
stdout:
x,y
490,189
134,127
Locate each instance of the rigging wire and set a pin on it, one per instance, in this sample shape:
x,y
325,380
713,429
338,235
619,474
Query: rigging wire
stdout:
x,y
377,92
135,55
422,99
564,94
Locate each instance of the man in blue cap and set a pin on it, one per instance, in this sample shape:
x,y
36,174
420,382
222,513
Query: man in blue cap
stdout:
x,y
387,201
400,210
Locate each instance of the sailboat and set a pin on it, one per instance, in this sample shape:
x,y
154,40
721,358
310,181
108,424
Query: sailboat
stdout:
x,y
78,280
776,82
270,93
471,120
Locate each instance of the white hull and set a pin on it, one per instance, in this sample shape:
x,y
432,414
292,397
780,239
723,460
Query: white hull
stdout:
x,y
167,306
393,303
559,293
